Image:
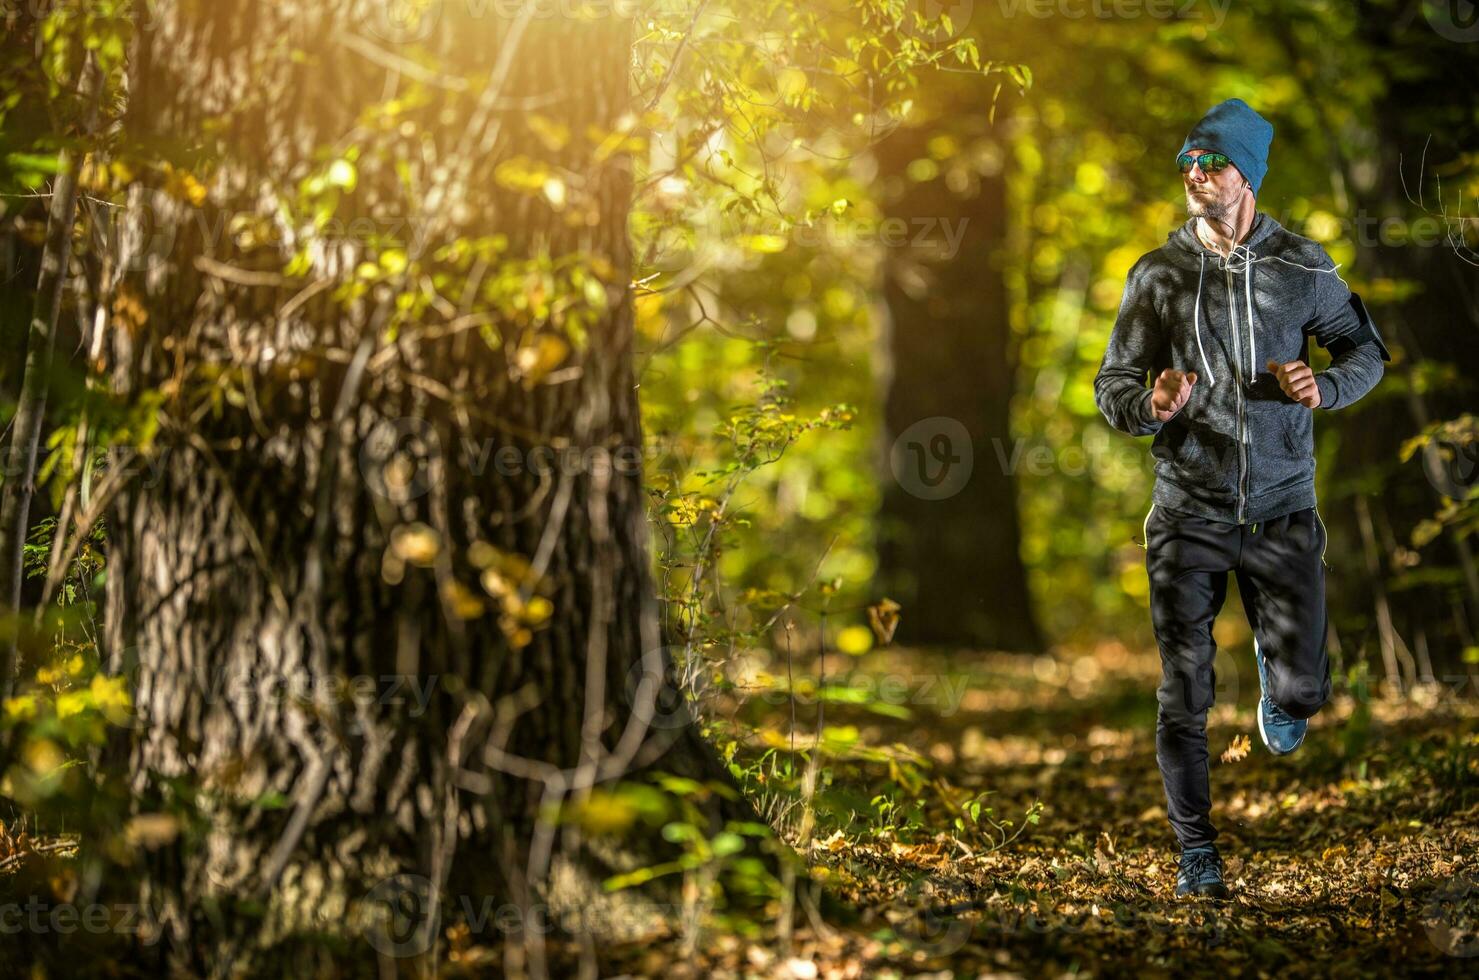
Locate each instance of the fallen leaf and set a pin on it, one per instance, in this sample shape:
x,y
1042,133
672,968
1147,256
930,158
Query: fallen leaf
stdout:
x,y
1237,749
883,617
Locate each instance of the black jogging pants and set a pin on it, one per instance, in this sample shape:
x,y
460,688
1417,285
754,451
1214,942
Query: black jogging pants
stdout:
x,y
1280,568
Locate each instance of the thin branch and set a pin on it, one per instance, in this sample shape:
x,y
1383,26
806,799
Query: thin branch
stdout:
x,y
399,63
242,277
667,77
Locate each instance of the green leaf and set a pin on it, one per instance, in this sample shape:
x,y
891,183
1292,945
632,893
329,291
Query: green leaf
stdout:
x,y
727,843
33,162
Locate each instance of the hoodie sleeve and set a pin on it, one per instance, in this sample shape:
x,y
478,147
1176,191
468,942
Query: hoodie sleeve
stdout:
x,y
1342,326
1120,387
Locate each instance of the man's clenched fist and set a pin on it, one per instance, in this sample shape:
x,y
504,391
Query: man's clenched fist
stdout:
x,y
1172,389
1298,382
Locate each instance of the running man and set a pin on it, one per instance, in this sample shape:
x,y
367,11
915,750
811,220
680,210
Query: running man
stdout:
x,y
1219,319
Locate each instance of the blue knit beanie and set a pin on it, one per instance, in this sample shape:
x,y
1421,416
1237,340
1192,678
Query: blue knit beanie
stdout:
x,y
1233,128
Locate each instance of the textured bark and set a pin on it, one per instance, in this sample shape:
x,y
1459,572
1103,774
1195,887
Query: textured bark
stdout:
x,y
250,557
953,562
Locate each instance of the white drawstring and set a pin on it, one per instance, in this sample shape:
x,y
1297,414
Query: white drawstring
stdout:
x,y
1252,337
1249,259
1196,320
1247,270
1310,268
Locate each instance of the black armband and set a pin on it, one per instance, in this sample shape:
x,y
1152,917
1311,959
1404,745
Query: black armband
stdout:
x,y
1364,333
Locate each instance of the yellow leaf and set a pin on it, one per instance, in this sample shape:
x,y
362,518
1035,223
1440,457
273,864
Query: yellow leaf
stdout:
x,y
342,174
883,617
494,583
181,184
765,244
482,554
110,696
604,813
393,261
461,601
415,543
70,703
1237,749
42,756
521,174
537,359
21,708
538,610
791,83
835,843
854,640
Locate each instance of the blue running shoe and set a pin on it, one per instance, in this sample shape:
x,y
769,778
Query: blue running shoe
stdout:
x,y
1281,733
1199,874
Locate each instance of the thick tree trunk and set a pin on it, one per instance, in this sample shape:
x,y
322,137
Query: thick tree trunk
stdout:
x,y
950,541
369,628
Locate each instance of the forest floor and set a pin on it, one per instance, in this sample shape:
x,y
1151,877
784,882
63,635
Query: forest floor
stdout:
x,y
1356,856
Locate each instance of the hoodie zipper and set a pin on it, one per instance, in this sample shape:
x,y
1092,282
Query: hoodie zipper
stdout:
x,y
1232,313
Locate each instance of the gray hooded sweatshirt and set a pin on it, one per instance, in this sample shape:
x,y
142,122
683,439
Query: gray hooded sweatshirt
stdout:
x,y
1240,450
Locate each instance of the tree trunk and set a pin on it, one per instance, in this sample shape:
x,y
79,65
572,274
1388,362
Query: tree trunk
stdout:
x,y
373,632
950,540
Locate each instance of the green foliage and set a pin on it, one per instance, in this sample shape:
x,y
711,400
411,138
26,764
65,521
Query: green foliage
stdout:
x,y
63,712
1450,452
981,824
41,64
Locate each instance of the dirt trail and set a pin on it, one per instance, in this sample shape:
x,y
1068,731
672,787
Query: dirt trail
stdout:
x,y
1356,856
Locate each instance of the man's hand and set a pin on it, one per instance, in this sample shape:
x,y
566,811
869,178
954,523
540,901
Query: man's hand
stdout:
x,y
1172,389
1298,382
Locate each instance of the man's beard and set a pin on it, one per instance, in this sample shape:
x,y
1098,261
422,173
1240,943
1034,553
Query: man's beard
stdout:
x,y
1206,206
